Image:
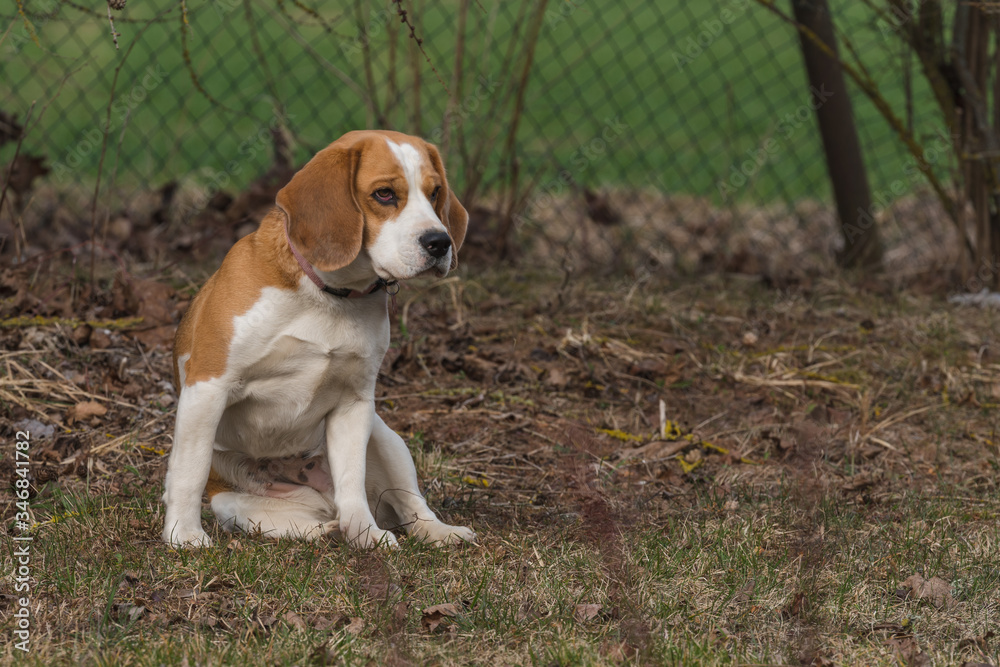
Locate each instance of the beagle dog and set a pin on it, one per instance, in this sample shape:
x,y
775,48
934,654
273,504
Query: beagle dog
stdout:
x,y
276,359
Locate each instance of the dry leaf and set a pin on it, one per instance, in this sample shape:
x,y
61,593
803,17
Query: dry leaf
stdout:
x,y
586,612
981,643
295,620
436,618
382,591
908,651
356,626
322,623
858,482
84,411
935,590
798,607
556,378
129,611
100,339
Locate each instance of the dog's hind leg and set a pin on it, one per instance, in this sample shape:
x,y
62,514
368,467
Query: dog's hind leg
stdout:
x,y
394,495
301,512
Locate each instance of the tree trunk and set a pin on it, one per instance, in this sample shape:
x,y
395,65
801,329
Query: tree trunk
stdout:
x,y
830,99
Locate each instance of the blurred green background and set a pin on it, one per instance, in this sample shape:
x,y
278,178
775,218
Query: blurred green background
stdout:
x,y
695,89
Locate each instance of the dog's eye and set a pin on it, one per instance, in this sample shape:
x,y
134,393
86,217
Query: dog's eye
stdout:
x,y
434,195
385,196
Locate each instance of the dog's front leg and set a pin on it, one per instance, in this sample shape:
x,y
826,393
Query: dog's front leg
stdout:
x,y
198,413
348,429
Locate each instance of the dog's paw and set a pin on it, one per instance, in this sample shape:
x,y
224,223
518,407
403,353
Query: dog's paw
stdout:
x,y
370,537
440,534
186,539
319,530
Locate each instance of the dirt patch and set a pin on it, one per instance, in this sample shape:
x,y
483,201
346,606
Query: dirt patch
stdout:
x,y
574,413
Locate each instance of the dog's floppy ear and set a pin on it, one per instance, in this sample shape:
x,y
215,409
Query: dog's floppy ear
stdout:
x,y
449,209
320,203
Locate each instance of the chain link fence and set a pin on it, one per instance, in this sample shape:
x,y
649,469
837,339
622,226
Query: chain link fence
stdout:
x,y
636,135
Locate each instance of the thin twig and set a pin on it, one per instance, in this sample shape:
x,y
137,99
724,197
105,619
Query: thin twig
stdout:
x,y
375,115
420,43
313,13
114,33
104,149
262,61
456,77
27,24
326,64
187,59
10,172
508,161
114,177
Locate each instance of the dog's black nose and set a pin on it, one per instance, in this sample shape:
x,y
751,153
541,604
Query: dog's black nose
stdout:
x,y
436,243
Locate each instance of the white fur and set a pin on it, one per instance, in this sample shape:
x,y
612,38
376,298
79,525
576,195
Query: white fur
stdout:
x,y
300,380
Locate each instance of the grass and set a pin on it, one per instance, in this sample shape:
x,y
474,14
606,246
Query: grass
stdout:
x,y
687,126
711,586
586,556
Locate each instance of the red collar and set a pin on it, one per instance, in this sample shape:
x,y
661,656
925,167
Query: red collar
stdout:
x,y
390,286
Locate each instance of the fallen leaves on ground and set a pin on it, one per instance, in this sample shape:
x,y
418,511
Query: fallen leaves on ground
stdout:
x,y
586,612
908,651
935,590
85,411
438,618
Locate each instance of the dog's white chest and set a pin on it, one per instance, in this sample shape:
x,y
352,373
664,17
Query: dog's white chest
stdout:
x,y
295,367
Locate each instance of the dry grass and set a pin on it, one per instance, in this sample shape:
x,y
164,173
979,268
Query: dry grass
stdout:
x,y
817,447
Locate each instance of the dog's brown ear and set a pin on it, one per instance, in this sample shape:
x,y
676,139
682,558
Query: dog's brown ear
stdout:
x,y
449,209
320,202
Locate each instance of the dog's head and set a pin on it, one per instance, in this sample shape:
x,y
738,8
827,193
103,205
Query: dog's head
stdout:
x,y
383,193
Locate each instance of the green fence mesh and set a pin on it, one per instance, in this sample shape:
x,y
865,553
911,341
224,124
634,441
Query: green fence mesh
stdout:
x,y
689,121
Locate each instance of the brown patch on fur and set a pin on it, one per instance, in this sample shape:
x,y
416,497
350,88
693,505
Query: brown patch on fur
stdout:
x,y
325,218
216,484
259,260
